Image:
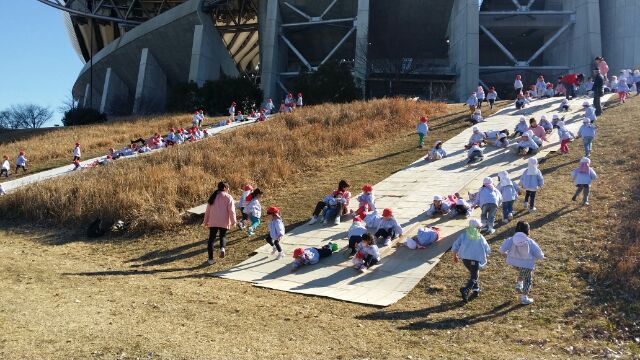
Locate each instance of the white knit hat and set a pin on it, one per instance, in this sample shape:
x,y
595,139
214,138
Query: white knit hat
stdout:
x,y
475,223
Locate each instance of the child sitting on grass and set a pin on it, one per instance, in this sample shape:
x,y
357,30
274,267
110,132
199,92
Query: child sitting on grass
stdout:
x,y
366,201
422,128
311,256
473,249
253,209
438,207
521,127
388,228
425,237
356,232
582,178
368,254
276,232
436,152
5,166
522,253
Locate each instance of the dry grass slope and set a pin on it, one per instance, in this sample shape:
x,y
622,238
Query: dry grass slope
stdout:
x,y
150,192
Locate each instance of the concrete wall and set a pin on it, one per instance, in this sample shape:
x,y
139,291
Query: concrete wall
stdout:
x,y
151,89
620,35
270,47
463,47
582,42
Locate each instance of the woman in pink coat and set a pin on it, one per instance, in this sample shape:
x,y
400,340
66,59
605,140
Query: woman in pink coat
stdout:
x,y
219,217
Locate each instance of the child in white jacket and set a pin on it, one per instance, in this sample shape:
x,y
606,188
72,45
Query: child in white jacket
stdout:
x,y
76,152
366,201
356,232
246,190
388,228
253,210
422,129
472,102
276,231
368,254
522,253
5,166
425,237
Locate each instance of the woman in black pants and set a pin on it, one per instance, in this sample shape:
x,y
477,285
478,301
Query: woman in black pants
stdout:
x,y
219,217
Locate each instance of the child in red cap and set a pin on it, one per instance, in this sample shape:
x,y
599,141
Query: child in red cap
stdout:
x,y
253,210
366,201
21,162
276,231
388,228
422,129
311,256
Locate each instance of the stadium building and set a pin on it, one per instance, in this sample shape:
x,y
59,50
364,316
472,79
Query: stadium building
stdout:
x,y
136,50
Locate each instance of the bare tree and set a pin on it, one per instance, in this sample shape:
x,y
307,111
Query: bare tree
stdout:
x,y
68,104
4,119
28,116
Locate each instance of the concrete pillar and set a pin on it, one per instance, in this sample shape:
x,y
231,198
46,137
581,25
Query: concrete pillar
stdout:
x,y
582,42
209,56
362,45
88,96
620,36
269,23
151,88
464,54
115,95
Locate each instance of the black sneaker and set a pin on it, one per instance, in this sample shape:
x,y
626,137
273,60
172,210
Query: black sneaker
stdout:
x,y
474,294
465,294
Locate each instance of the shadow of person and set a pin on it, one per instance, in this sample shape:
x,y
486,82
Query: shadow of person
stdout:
x,y
450,323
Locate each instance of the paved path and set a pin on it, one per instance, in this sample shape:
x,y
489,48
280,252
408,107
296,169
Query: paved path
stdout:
x,y
63,170
408,192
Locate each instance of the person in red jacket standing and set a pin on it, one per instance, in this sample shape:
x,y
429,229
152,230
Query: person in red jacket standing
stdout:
x,y
571,82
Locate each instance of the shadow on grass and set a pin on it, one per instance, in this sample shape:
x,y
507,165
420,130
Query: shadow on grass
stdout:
x,y
455,323
136,272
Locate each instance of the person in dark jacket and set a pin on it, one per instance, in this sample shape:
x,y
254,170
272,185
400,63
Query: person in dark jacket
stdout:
x,y
598,90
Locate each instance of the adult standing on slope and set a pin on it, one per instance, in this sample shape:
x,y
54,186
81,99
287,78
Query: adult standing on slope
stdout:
x,y
570,82
219,217
598,90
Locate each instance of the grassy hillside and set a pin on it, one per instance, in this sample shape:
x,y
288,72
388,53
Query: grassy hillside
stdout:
x,y
152,297
150,192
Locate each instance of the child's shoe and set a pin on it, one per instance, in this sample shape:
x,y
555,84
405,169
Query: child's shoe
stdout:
x,y
249,232
505,221
314,219
525,300
387,241
510,217
273,250
465,294
222,253
525,203
491,231
519,286
337,221
363,268
280,255
240,225
324,222
532,209
210,261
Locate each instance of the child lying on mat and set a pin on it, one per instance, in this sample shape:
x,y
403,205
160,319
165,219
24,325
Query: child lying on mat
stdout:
x,y
311,256
425,237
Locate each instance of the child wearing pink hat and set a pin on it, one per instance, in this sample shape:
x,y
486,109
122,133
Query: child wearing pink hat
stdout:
x,y
583,176
522,253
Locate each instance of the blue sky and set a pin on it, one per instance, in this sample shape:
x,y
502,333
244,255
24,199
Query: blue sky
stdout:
x,y
37,62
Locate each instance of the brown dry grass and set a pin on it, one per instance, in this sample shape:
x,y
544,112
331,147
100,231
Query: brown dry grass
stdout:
x,y
150,192
49,148
150,296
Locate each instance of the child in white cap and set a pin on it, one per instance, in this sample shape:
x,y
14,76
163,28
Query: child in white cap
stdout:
x,y
589,111
472,102
436,152
438,207
509,191
531,181
583,175
473,249
476,117
565,136
521,126
477,137
522,253
489,199
564,105
587,132
425,237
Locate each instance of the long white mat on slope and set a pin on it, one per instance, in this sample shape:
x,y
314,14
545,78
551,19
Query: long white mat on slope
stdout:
x,y
67,169
407,192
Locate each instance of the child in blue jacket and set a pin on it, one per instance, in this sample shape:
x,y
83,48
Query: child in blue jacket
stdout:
x,y
531,181
473,249
509,190
522,253
582,178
